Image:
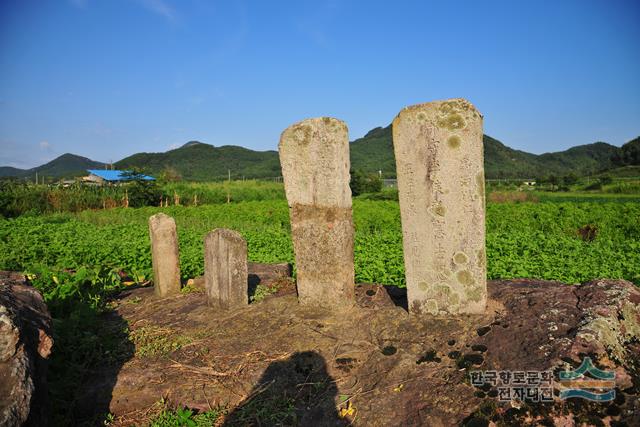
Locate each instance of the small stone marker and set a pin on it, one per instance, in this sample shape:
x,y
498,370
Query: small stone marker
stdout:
x,y
314,155
225,269
164,255
439,161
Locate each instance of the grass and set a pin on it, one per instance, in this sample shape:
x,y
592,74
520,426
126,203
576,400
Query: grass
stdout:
x,y
270,410
261,292
583,196
217,192
26,198
153,341
183,417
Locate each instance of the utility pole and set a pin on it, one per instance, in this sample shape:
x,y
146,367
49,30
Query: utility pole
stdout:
x,y
229,187
36,177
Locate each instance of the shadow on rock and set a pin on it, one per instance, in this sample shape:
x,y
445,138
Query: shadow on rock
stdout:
x,y
295,391
398,296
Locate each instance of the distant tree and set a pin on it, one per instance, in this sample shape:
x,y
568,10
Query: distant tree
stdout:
x,y
364,183
553,181
629,154
605,179
570,179
141,192
170,174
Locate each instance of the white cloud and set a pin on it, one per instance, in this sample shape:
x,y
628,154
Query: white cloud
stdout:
x,y
174,146
45,145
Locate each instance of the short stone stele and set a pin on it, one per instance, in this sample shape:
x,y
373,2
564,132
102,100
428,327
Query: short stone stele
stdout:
x,y
225,269
439,161
314,155
164,255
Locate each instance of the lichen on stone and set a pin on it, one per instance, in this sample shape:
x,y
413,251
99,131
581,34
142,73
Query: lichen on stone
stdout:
x,y
460,258
475,294
465,278
454,141
452,121
439,209
431,306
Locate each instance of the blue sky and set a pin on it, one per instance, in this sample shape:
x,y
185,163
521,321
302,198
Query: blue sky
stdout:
x,y
108,78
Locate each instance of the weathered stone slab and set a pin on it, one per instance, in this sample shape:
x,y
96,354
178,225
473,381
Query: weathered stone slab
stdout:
x,y
314,155
439,161
225,265
165,255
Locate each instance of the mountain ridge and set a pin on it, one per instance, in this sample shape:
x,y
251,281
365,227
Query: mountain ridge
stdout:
x,y
199,161
67,164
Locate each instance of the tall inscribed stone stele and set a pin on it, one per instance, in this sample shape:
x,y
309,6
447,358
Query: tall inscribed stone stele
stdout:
x,y
439,162
314,155
164,255
225,269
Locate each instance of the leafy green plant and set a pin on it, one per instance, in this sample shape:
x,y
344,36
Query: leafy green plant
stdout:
x,y
184,417
155,341
83,341
536,240
261,292
364,183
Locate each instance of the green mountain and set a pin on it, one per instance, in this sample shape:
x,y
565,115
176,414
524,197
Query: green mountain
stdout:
x,y
67,165
196,161
629,154
504,162
10,171
629,171
374,152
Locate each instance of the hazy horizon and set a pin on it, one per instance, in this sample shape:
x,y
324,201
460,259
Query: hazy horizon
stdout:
x,y
105,80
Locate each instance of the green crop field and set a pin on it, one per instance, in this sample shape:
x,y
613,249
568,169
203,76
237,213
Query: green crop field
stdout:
x,y
535,240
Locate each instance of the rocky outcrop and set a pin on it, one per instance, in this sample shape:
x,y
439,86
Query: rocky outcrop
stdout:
x,y
25,344
377,365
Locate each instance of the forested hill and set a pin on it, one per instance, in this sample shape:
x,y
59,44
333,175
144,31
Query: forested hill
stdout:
x,y
63,166
374,152
197,161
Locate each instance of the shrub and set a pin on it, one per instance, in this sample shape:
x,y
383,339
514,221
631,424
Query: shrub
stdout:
x,y
364,183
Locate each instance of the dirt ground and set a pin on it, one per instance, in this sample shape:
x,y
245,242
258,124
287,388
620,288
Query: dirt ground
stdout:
x,y
276,362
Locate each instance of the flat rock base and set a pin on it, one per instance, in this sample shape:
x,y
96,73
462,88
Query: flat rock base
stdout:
x,y
279,362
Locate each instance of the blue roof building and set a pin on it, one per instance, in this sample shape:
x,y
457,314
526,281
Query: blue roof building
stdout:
x,y
113,176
